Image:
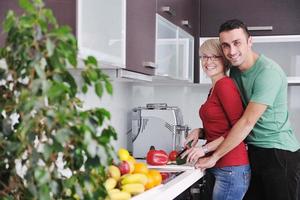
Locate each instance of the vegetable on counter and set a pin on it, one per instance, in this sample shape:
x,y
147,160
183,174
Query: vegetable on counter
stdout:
x,y
179,160
173,155
157,157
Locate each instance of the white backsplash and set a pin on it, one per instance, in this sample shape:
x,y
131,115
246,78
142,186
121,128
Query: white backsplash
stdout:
x,y
128,95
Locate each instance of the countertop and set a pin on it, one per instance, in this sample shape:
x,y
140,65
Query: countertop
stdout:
x,y
173,188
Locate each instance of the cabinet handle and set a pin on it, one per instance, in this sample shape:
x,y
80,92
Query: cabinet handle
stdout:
x,y
186,23
151,65
169,10
260,28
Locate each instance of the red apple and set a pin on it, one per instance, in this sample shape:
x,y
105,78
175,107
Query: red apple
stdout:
x,y
124,167
164,175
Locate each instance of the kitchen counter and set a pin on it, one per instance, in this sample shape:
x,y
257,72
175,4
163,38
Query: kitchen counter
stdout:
x,y
173,188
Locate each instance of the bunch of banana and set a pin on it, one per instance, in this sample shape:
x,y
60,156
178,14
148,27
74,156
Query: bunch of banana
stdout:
x,y
134,183
122,188
114,193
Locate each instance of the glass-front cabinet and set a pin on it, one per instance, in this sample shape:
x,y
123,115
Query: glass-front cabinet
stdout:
x,y
285,50
186,55
174,51
101,30
166,48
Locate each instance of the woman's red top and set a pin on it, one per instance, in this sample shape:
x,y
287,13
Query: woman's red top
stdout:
x,y
219,113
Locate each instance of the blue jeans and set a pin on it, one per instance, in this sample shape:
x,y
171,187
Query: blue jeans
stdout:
x,y
231,182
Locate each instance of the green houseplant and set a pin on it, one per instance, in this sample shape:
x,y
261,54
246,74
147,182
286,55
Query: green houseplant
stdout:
x,y
50,148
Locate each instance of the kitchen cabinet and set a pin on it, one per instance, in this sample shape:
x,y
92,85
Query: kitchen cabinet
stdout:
x,y
174,51
140,36
64,11
285,50
101,29
168,9
118,33
186,55
269,17
180,12
187,15
166,48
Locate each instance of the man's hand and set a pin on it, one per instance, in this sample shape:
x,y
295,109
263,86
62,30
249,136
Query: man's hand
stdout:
x,y
193,136
206,162
193,154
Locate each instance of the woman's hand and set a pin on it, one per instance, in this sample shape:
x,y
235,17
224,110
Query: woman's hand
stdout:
x,y
193,154
206,162
193,136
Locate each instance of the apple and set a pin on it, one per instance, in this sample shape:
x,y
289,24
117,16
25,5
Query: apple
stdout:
x,y
164,175
124,167
114,172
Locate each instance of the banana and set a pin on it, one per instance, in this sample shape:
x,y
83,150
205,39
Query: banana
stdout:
x,y
124,176
120,195
135,178
133,188
113,190
110,184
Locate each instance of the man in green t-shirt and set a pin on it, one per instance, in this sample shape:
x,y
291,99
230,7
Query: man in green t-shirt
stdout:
x,y
272,146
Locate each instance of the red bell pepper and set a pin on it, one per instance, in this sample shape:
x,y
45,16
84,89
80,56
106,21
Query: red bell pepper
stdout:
x,y
157,157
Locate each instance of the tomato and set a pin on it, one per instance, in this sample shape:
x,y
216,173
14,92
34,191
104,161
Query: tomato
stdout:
x,y
173,155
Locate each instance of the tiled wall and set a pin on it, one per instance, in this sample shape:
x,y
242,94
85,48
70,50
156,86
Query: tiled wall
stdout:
x,y
128,95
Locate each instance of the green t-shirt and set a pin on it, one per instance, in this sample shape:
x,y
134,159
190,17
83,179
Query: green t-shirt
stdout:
x,y
266,83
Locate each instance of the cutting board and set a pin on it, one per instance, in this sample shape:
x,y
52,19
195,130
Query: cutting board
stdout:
x,y
172,167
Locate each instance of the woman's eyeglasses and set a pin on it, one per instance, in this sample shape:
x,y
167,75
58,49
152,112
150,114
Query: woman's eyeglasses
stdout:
x,y
212,58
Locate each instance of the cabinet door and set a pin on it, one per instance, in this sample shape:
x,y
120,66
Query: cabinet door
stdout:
x,y
166,48
185,55
6,5
101,30
64,11
285,50
277,16
140,36
187,15
168,9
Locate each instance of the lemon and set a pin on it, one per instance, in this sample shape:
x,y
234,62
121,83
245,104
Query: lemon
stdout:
x,y
123,154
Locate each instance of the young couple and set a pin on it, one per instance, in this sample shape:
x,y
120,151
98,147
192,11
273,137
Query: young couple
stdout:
x,y
250,106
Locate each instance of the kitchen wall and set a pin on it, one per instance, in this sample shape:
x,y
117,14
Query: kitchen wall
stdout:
x,y
188,98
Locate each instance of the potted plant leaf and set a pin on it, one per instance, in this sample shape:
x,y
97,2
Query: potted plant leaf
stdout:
x,y
50,148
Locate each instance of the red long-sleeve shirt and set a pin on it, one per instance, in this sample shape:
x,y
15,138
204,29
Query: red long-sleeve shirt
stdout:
x,y
219,113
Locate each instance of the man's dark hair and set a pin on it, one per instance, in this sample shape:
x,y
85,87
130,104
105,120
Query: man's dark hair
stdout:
x,y
234,24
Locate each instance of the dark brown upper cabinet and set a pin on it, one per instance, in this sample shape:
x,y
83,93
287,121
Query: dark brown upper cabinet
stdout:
x,y
64,11
140,36
187,15
268,17
182,13
168,9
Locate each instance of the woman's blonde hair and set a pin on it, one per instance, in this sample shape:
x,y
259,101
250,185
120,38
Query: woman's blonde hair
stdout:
x,y
213,46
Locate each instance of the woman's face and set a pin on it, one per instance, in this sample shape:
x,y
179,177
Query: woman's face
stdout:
x,y
212,65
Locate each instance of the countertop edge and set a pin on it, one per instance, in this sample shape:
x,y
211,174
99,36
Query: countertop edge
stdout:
x,y
173,188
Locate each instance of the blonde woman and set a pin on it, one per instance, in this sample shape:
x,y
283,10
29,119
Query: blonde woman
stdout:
x,y
219,113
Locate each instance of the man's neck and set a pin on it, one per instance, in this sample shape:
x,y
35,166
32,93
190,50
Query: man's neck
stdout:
x,y
249,62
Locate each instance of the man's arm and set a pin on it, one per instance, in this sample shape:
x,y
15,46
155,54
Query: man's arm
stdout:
x,y
236,135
